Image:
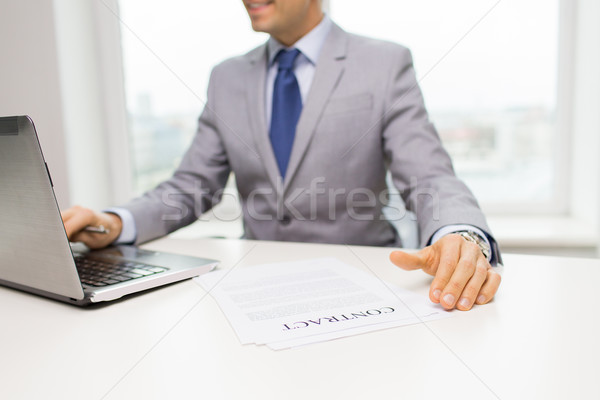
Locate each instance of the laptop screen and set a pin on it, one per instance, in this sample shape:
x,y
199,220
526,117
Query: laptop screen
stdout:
x,y
34,249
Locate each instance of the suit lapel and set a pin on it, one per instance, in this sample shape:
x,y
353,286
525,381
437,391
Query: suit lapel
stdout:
x,y
328,72
255,102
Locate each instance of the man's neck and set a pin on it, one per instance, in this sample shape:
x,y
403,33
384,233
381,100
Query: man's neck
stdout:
x,y
289,38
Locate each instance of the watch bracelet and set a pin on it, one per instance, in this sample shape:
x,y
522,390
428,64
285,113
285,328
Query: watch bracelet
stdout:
x,y
476,238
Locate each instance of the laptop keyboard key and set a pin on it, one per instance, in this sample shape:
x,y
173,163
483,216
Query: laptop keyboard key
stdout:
x,y
132,275
102,273
141,271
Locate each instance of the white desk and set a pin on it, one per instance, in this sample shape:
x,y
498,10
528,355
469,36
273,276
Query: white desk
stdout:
x,y
538,340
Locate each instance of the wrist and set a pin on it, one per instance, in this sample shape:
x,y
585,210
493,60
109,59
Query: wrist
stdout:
x,y
114,224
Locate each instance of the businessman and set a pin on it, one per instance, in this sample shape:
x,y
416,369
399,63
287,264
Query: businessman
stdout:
x,y
310,123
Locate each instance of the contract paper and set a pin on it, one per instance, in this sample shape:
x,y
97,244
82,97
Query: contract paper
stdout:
x,y
297,303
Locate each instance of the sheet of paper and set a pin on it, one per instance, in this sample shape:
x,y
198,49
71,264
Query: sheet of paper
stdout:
x,y
423,309
299,302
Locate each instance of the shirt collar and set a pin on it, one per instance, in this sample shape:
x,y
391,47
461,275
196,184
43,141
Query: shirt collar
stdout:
x,y
310,45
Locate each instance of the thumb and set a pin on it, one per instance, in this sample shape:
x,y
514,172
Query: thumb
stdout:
x,y
408,261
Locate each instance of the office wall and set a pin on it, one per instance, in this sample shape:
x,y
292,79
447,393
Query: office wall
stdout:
x,y
29,79
84,102
53,69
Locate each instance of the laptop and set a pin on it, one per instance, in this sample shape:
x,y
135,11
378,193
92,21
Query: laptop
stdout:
x,y
35,253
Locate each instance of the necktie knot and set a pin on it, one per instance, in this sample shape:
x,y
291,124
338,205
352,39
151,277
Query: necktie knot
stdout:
x,y
286,58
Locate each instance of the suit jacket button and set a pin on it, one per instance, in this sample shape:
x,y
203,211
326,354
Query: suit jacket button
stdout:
x,y
285,220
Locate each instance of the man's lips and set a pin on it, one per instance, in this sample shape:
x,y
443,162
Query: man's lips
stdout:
x,y
257,6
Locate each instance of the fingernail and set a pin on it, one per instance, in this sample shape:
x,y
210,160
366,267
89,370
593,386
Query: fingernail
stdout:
x,y
436,294
481,299
464,302
449,299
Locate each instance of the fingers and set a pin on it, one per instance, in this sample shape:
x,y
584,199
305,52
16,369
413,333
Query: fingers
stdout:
x,y
408,261
490,287
76,219
471,290
463,271
447,264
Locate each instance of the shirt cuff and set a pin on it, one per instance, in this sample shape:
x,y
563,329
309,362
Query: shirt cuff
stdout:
x,y
128,232
448,229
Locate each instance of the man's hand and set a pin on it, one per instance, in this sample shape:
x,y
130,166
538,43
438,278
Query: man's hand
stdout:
x,y
76,219
463,276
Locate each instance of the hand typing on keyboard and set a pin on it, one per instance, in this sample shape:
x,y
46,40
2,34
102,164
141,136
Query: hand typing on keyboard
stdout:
x,y
77,218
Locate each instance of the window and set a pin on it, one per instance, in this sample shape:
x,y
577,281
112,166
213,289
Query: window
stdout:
x,y
488,71
169,49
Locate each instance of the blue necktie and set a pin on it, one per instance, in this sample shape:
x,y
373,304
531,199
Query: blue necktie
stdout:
x,y
287,106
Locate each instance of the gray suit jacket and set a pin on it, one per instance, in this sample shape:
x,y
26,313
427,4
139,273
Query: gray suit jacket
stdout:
x,y
364,115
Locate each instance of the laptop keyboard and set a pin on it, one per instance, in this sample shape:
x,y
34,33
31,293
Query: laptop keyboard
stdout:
x,y
102,273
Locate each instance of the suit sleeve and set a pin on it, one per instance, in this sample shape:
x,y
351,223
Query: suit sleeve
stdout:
x,y
195,187
421,169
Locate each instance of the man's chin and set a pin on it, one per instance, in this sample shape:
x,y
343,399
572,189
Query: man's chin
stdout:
x,y
260,26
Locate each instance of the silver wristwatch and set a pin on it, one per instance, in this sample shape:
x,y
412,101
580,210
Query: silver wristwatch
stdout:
x,y
474,237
